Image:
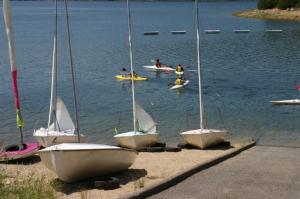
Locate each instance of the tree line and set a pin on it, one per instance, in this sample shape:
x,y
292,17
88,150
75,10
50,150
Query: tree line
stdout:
x,y
280,4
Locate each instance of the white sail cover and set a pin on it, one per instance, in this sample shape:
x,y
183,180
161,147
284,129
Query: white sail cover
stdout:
x,y
145,121
63,120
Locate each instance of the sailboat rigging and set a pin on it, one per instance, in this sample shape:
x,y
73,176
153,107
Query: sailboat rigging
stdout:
x,y
203,137
60,125
143,137
76,161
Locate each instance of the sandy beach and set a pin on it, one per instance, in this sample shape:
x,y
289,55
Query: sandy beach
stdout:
x,y
274,14
149,168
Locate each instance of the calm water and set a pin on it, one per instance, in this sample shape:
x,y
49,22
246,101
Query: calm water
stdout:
x,y
242,72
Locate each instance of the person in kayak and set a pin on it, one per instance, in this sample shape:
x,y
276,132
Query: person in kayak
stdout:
x,y
134,74
179,80
124,72
179,68
157,64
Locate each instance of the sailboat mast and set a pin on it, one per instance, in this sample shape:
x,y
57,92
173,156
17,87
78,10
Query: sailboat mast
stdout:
x,y
13,65
53,98
201,111
72,72
131,66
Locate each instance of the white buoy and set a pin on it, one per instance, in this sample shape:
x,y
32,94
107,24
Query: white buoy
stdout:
x,y
212,31
270,30
178,32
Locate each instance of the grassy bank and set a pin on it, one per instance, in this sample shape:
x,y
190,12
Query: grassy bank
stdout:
x,y
274,14
29,188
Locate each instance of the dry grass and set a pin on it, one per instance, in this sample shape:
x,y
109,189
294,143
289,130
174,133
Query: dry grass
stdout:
x,y
29,188
140,183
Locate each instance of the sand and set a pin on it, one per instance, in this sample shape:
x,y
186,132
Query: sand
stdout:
x,y
274,14
148,168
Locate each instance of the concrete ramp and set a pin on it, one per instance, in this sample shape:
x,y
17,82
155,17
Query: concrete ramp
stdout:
x,y
260,172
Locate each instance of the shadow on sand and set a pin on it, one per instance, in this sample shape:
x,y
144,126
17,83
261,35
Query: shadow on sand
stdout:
x,y
222,146
106,183
24,161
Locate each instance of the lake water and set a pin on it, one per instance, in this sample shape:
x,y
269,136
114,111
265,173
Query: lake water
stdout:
x,y
241,72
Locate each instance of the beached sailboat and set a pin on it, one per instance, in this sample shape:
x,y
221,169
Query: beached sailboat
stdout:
x,y
24,149
146,135
77,161
61,128
202,138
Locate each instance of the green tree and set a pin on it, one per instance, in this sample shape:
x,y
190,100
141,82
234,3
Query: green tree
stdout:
x,y
284,4
266,4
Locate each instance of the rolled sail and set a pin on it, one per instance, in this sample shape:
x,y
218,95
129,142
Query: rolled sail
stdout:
x,y
12,59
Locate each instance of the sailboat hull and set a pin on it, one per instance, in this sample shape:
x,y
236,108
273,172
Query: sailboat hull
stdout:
x,y
204,138
138,139
74,161
48,138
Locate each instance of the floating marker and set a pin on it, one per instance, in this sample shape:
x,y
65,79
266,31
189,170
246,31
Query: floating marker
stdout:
x,y
241,31
268,30
178,32
212,31
151,33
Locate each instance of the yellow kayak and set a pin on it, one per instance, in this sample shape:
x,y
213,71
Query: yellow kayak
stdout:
x,y
127,77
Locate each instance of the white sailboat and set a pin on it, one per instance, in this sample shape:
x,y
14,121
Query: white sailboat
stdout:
x,y
61,128
146,135
77,161
202,138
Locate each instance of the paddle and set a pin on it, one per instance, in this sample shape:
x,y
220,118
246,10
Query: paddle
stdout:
x,y
191,70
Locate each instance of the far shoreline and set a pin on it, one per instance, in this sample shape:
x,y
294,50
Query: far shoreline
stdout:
x,y
270,14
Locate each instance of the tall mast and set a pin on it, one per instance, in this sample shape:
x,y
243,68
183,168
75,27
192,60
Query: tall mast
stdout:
x,y
72,72
201,111
13,65
131,66
53,98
